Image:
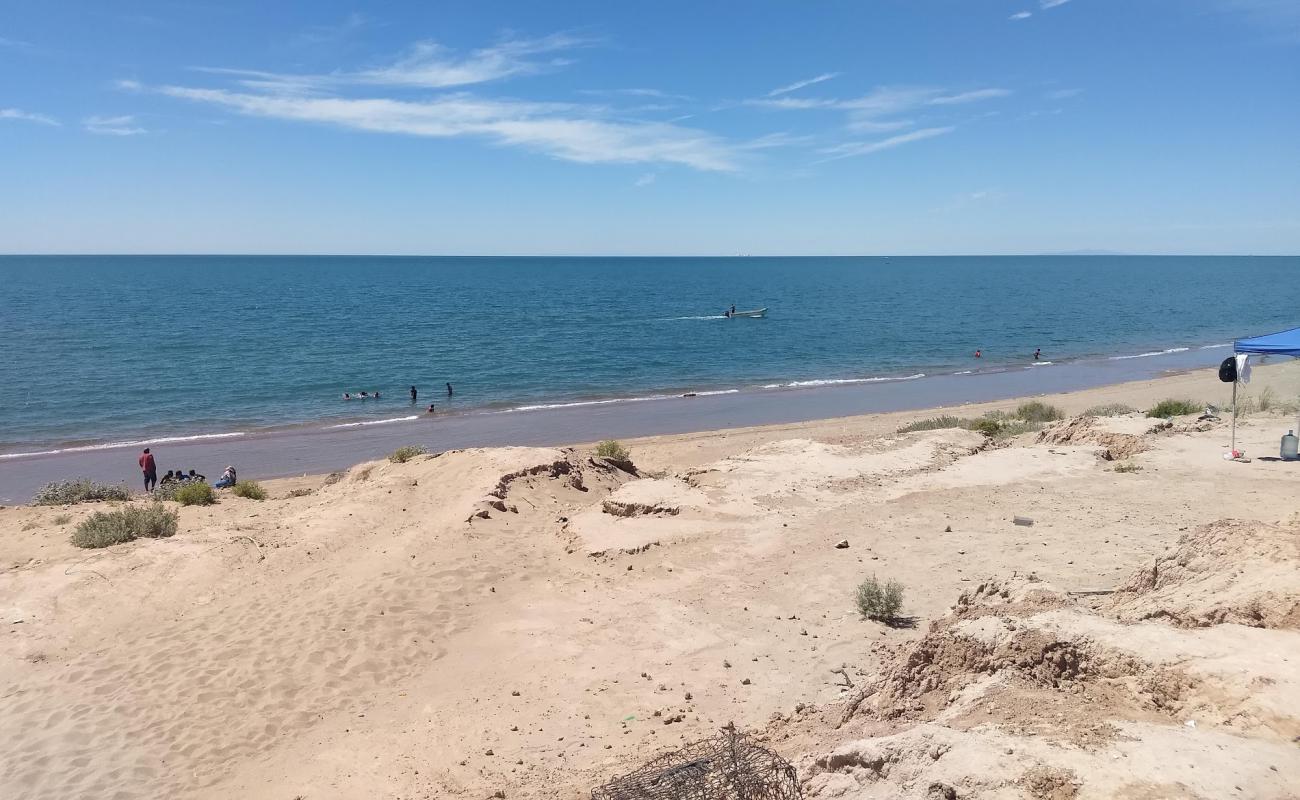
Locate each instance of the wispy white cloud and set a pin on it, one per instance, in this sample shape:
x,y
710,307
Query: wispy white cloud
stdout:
x,y
124,125
17,44
1063,94
565,131
27,116
657,94
883,101
849,149
797,85
1046,4
968,97
1021,15
645,180
426,65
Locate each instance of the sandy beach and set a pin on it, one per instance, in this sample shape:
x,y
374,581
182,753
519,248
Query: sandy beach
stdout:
x,y
534,621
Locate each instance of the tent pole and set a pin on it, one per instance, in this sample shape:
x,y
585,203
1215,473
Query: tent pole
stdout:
x,y
1234,419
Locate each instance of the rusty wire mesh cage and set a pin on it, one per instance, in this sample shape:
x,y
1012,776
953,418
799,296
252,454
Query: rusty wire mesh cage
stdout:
x,y
729,766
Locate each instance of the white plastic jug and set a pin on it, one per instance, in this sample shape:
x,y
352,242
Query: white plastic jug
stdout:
x,y
1289,443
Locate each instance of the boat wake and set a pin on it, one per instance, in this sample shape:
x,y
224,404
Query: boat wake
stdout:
x,y
676,319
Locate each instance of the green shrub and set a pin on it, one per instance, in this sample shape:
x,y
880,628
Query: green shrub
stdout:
x,y
78,490
880,601
1175,408
612,450
249,489
1035,411
987,425
404,454
934,424
1110,410
62,519
105,528
1127,466
299,492
194,493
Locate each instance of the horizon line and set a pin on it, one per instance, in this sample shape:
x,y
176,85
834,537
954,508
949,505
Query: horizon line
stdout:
x,y
1072,254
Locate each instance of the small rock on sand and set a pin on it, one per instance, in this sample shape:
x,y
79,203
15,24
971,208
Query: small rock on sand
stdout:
x,y
842,544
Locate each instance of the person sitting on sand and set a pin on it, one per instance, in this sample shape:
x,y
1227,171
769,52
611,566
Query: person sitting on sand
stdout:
x,y
227,479
194,476
170,477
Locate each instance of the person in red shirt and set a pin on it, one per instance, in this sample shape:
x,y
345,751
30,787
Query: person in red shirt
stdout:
x,y
149,469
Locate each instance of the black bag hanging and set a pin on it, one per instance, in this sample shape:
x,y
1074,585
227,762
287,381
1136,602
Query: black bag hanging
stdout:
x,y
1228,370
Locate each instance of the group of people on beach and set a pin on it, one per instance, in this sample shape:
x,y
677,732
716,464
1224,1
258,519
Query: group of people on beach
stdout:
x,y
149,467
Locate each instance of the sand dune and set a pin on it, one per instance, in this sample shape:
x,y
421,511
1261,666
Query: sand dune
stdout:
x,y
535,621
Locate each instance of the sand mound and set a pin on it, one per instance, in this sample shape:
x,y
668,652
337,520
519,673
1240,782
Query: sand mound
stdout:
x,y
1225,572
1115,445
1021,691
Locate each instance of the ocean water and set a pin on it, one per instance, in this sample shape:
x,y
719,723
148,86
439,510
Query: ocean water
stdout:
x,y
112,349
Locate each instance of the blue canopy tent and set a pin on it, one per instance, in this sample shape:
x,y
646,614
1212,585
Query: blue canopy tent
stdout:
x,y
1282,343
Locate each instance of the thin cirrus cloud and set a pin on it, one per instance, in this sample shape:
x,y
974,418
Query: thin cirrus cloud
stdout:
x,y
560,130
27,116
426,65
797,85
124,125
1021,15
886,109
1046,4
849,149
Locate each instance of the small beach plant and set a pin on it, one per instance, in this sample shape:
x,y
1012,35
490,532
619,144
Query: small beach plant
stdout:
x,y
251,490
404,454
78,490
1036,411
1110,410
879,601
1175,408
934,424
612,450
196,493
104,528
1126,466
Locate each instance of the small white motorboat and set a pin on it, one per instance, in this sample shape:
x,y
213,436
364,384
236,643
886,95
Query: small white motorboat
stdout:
x,y
757,312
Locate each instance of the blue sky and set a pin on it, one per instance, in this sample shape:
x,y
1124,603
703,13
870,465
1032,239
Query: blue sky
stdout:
x,y
539,127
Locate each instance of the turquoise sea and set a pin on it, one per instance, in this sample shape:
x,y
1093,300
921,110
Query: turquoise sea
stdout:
x,y
126,348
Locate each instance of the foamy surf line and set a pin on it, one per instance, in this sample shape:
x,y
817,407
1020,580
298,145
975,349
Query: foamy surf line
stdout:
x,y
1159,353
371,422
140,443
839,382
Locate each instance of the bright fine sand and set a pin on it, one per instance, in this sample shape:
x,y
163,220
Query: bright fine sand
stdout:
x,y
521,622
